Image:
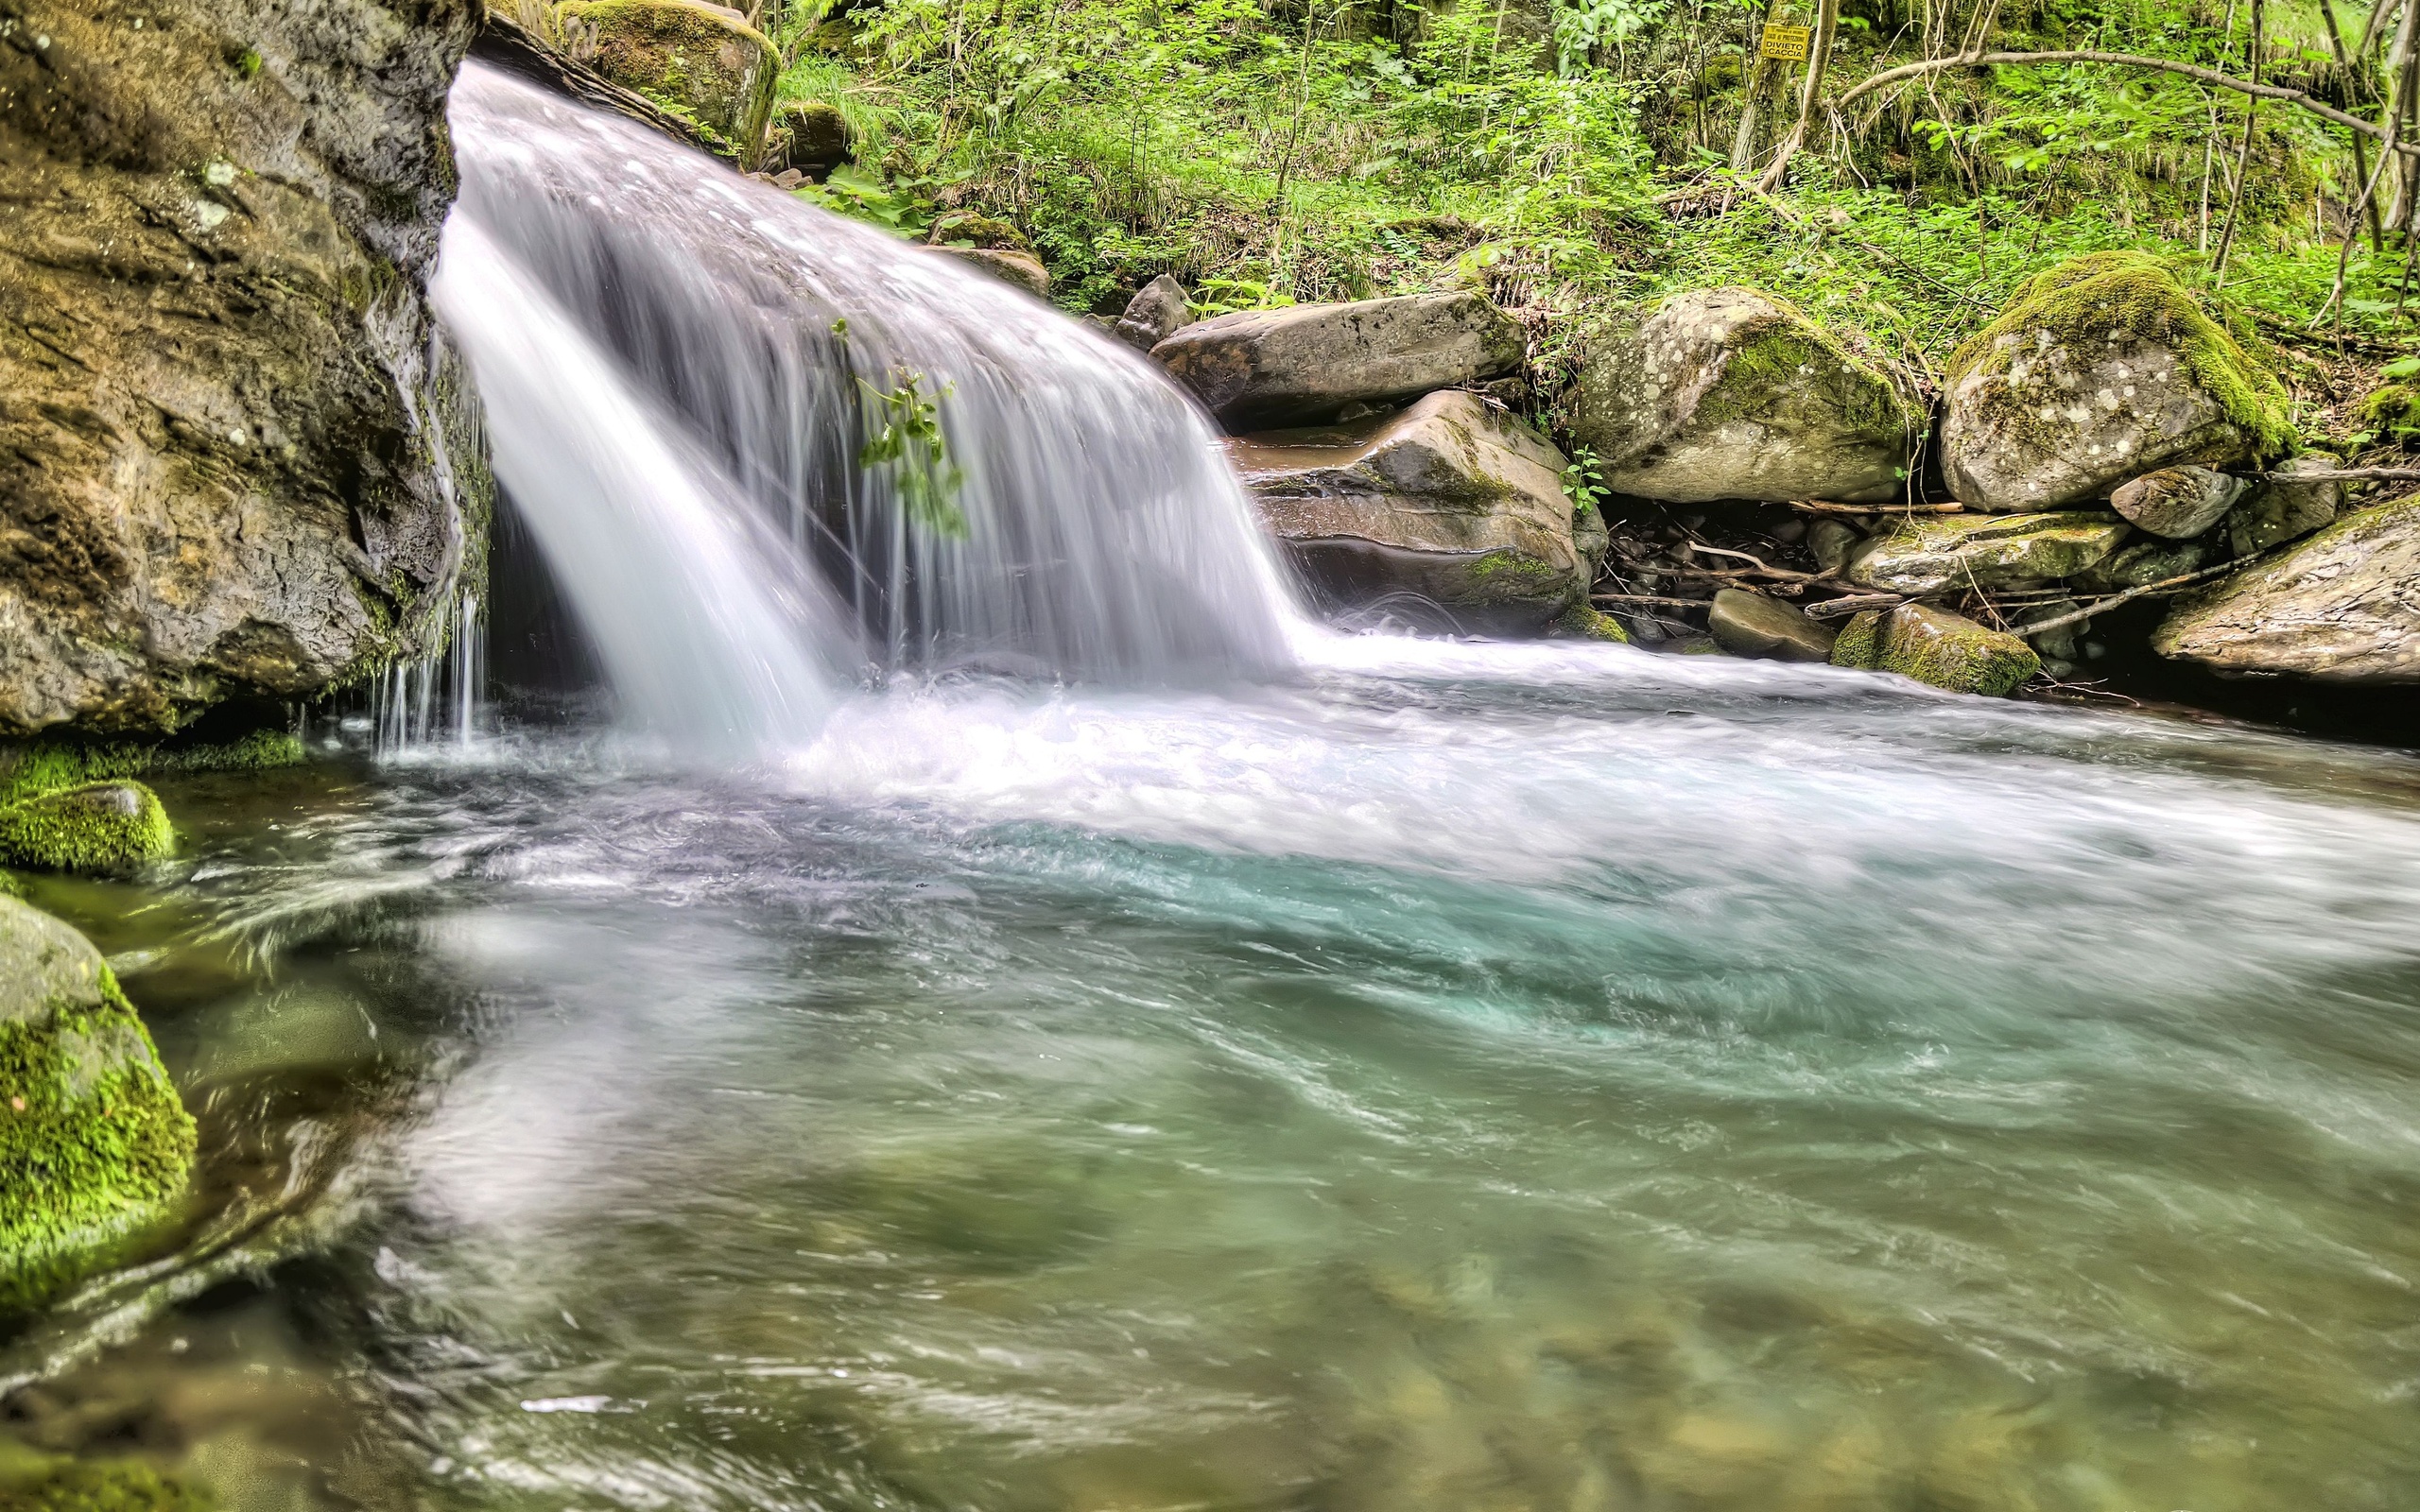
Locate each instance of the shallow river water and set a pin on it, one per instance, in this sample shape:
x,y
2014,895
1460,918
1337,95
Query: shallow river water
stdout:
x,y
1460,1078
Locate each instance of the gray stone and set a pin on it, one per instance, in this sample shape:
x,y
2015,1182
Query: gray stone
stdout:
x,y
1929,554
2143,563
2285,507
1303,363
2177,503
1747,623
1451,511
223,470
1830,542
2344,604
2104,369
1158,311
1730,394
1009,266
809,137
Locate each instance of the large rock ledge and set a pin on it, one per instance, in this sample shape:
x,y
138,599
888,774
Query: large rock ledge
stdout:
x,y
2344,604
222,464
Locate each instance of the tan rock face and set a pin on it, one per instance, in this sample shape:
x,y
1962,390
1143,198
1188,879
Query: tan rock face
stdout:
x,y
1451,511
1301,365
222,470
1730,394
1747,623
2344,604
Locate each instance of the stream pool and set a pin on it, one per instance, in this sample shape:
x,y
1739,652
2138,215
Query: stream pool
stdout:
x,y
1466,1079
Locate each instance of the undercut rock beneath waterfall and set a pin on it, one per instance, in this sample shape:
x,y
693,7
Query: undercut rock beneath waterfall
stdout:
x,y
1303,363
2344,604
222,464
1731,394
1451,512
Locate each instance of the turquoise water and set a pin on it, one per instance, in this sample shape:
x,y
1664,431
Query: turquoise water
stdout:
x,y
1465,1080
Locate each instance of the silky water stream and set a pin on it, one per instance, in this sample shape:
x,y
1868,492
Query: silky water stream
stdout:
x,y
958,1043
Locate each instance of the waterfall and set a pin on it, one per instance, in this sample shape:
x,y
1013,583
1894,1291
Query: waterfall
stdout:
x,y
683,369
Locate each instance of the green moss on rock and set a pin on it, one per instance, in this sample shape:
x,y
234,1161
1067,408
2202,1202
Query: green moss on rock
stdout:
x,y
1581,622
1860,643
97,828
689,58
48,766
101,1485
94,1140
964,228
1951,651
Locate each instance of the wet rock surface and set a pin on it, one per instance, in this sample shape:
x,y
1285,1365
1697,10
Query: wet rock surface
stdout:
x,y
225,469
1303,363
1731,394
1929,555
1934,646
704,61
1452,510
1747,623
2343,606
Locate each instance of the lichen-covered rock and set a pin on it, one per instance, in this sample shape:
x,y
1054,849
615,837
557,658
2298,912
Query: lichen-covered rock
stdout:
x,y
1451,511
700,61
1927,554
1747,623
97,829
1158,311
1303,363
1951,651
2104,369
2177,503
2288,505
1731,394
94,1143
222,463
2344,604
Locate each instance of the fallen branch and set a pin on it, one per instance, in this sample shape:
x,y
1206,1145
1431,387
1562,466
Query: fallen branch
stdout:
x,y
2164,586
2207,76
1841,608
2350,474
1650,598
1820,506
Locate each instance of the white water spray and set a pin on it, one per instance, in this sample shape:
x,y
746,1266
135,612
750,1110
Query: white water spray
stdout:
x,y
682,368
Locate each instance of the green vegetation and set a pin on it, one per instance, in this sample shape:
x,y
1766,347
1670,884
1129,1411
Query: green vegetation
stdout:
x,y
99,1486
98,828
1564,154
47,766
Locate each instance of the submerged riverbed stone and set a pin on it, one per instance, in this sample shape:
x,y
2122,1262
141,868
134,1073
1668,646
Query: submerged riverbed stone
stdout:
x,y
1746,623
2103,369
700,61
1730,393
2177,503
94,1141
97,828
1934,646
1452,509
2344,606
1929,554
224,472
1303,363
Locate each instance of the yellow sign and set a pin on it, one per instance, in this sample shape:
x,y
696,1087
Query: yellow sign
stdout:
x,y
1787,44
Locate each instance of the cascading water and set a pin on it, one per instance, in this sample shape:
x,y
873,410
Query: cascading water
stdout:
x,y
683,369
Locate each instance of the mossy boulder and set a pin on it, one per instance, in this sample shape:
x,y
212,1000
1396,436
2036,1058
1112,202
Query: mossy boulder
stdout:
x,y
1746,623
1731,393
43,766
698,61
1305,364
1584,622
2343,606
1451,512
97,829
809,135
230,468
1936,646
46,1485
2104,369
94,1143
1929,554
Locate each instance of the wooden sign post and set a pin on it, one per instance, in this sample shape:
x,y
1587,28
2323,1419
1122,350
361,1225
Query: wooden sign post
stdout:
x,y
1786,45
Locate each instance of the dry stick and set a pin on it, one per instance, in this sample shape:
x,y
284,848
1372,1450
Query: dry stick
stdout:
x,y
2062,621
2351,475
1820,506
2243,157
2379,11
1650,598
2207,76
1833,609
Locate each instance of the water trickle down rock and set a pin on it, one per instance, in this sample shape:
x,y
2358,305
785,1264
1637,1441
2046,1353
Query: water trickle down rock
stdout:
x,y
1731,394
2344,604
1451,511
1303,363
226,467
94,1141
2104,369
